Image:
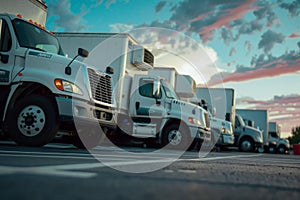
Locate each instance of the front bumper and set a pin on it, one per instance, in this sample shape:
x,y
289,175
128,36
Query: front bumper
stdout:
x,y
201,134
76,111
226,140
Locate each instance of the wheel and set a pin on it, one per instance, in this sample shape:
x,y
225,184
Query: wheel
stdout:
x,y
87,138
176,137
246,145
33,121
281,149
272,149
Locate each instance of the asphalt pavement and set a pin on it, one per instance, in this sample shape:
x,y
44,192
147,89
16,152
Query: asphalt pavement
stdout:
x,y
60,171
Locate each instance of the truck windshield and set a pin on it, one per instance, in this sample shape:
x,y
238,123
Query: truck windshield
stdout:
x,y
170,93
31,36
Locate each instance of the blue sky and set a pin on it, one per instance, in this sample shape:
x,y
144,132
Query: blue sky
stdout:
x,y
253,44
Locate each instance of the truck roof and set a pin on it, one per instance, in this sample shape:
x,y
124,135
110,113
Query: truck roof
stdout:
x,y
99,34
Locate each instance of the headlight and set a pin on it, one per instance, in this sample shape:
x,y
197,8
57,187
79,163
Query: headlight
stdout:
x,y
223,130
67,86
195,121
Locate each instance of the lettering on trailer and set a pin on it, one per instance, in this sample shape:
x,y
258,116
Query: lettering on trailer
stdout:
x,y
4,76
38,54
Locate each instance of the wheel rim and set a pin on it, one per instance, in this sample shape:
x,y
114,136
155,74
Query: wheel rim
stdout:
x,y
31,120
246,145
174,137
281,150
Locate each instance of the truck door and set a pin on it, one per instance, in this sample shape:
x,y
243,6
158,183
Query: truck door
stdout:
x,y
6,63
146,106
6,58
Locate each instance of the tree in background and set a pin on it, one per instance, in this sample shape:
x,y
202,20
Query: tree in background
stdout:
x,y
295,138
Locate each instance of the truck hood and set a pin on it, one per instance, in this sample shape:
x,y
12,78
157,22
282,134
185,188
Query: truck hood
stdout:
x,y
62,61
188,110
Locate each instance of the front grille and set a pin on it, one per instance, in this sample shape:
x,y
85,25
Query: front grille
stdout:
x,y
148,57
101,86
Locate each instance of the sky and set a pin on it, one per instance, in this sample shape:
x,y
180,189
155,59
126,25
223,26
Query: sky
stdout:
x,y
250,45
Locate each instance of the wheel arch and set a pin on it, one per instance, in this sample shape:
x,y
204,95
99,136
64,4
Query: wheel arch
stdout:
x,y
174,121
25,89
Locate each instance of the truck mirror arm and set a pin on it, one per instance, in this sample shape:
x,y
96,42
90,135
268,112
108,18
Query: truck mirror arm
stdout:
x,y
81,52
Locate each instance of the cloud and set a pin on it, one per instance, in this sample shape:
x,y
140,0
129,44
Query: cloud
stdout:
x,y
294,35
269,39
283,109
293,8
120,28
232,51
160,6
266,11
64,18
248,46
261,67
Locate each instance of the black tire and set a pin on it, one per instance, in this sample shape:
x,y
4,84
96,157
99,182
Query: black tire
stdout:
x,y
281,149
176,137
246,145
33,121
87,138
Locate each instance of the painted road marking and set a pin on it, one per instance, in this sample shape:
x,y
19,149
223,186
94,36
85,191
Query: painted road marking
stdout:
x,y
64,170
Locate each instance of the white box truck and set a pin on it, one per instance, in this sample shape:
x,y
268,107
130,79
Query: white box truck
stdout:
x,y
33,10
260,119
148,107
247,138
276,143
42,91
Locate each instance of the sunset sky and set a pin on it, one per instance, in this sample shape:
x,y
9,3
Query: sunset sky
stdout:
x,y
251,46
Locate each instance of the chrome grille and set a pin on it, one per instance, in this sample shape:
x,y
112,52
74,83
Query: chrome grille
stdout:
x,y
101,86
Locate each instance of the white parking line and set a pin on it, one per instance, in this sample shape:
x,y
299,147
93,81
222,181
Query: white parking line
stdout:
x,y
64,170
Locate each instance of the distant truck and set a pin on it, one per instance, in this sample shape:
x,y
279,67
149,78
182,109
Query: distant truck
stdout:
x,y
271,131
247,138
42,91
258,119
33,10
148,107
276,143
185,85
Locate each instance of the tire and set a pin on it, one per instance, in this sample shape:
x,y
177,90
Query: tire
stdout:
x,y
87,138
281,149
176,137
33,121
246,145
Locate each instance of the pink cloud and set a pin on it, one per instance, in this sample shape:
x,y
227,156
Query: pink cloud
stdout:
x,y
231,14
274,68
284,110
294,35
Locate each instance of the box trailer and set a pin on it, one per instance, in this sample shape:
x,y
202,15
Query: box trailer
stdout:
x,y
34,10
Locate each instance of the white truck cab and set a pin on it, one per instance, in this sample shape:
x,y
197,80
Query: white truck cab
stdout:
x,y
156,112
42,91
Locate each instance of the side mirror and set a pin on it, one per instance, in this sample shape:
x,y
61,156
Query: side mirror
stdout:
x,y
156,89
83,53
110,70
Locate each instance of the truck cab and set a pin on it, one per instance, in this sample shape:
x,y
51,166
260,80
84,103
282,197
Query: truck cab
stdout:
x,y
43,91
247,138
276,143
156,112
